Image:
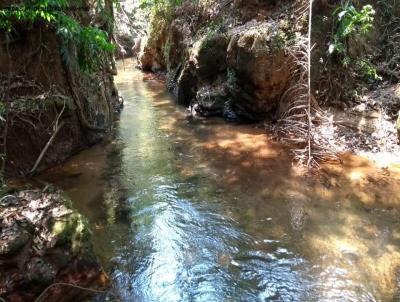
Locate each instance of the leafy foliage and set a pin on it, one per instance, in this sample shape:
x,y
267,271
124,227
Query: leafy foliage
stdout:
x,y
352,24
91,43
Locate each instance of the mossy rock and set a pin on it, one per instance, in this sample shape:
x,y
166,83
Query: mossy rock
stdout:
x,y
51,237
257,56
71,230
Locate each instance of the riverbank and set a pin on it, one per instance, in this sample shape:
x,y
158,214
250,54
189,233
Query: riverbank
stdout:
x,y
276,204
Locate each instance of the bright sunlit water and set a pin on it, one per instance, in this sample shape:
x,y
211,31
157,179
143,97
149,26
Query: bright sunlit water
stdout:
x,y
197,210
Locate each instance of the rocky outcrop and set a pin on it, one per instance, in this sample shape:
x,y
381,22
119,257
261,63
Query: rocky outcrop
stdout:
x,y
256,54
152,56
43,241
238,70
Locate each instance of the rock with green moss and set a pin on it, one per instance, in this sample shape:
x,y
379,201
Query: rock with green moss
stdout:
x,y
43,240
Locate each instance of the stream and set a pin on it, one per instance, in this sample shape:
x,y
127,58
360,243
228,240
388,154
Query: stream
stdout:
x,y
191,209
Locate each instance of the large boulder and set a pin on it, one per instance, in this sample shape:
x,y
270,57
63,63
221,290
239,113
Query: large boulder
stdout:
x,y
209,56
43,241
152,57
256,55
241,74
177,42
192,81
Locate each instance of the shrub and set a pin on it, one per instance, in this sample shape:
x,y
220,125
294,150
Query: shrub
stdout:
x,y
353,24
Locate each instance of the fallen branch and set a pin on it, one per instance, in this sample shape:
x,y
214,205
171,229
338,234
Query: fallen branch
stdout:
x,y
57,128
50,141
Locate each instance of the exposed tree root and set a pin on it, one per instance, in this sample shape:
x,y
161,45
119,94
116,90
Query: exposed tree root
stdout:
x,y
390,38
77,101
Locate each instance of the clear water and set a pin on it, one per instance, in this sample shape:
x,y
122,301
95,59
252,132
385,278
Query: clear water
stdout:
x,y
197,210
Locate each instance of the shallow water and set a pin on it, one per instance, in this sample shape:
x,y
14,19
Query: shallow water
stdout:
x,y
197,210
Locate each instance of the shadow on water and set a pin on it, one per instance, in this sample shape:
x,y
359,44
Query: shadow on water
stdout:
x,y
197,210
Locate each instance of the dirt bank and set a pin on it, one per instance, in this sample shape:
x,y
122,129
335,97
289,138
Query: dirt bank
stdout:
x,y
47,99
55,100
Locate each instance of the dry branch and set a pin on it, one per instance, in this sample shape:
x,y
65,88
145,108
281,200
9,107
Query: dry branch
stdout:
x,y
57,128
299,112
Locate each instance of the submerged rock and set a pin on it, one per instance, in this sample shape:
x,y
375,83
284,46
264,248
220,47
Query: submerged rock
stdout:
x,y
44,241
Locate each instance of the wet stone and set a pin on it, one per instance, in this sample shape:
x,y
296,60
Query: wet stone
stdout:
x,y
12,239
43,241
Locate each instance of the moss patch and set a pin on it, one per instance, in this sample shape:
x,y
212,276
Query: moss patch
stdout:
x,y
71,230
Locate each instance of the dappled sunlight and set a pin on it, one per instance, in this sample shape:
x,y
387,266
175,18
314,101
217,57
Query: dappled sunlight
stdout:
x,y
365,181
359,260
365,246
255,145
